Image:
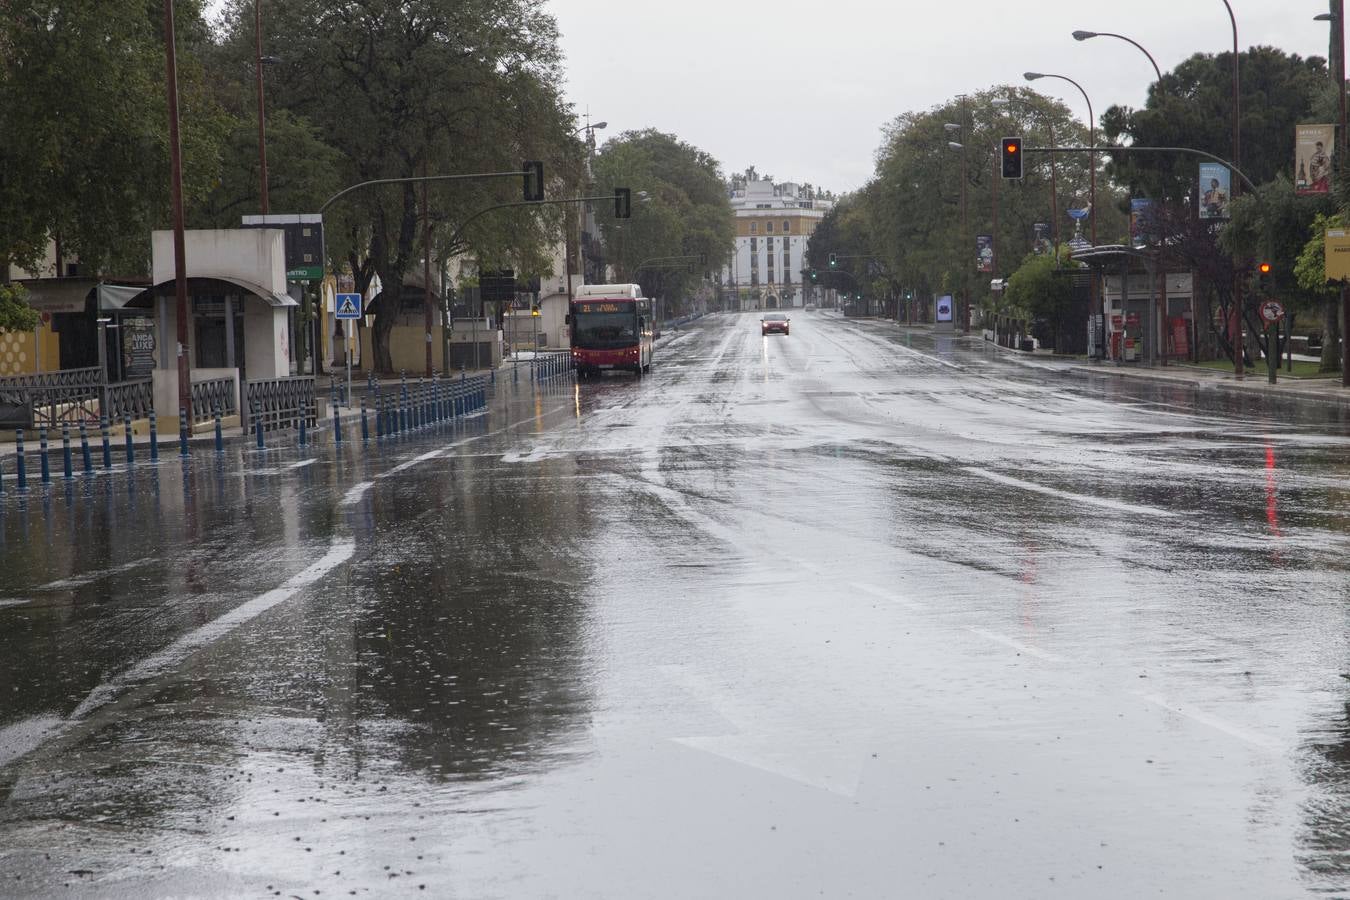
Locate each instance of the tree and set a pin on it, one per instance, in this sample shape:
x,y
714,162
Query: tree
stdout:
x,y
15,313
686,210
83,111
405,89
1193,109
916,203
1310,274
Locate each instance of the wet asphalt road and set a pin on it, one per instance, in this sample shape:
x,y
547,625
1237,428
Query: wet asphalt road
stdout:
x,y
854,612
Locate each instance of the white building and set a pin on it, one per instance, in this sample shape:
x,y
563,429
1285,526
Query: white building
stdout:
x,y
773,224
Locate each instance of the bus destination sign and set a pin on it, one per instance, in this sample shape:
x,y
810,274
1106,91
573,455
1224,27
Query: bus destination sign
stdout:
x,y
609,307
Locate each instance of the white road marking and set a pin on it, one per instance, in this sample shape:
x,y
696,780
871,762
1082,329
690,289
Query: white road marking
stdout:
x,y
1116,505
354,495
18,602
415,461
888,596
338,553
22,738
301,464
1017,645
90,577
1218,724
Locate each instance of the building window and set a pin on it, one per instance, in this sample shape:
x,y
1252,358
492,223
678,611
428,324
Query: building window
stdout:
x,y
768,243
787,225
753,243
768,226
754,227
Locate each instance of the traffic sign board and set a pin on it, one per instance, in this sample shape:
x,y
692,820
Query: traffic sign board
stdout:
x,y
1272,311
348,306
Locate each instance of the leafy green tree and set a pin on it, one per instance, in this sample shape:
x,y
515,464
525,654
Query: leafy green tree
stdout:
x,y
15,313
83,112
405,89
1193,109
1310,274
916,203
683,210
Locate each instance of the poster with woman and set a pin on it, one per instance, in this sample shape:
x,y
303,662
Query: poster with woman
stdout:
x,y
1312,159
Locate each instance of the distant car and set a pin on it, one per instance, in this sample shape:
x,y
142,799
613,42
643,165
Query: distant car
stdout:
x,y
774,322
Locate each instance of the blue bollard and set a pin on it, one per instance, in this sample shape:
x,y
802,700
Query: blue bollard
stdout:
x,y
84,450
258,430
183,433
220,434
107,443
337,426
304,437
42,452
68,470
127,434
154,437
403,414
463,373
365,428
379,419
493,374
20,467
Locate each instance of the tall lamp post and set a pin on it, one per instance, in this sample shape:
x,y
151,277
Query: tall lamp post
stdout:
x,y
590,128
262,120
1337,19
1236,327
1092,144
953,128
1088,35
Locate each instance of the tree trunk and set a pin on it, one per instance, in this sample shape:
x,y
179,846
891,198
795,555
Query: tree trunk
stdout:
x,y
1331,334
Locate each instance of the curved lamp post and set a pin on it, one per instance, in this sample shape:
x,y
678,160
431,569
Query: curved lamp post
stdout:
x,y
1088,35
1092,143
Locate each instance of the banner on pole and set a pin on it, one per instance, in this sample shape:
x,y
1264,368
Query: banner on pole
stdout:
x,y
1141,222
1338,254
1215,190
1040,241
1312,159
984,253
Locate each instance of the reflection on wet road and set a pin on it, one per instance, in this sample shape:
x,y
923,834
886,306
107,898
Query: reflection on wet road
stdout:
x,y
854,612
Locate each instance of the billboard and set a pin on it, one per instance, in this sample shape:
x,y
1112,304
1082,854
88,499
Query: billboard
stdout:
x,y
1338,254
944,308
1312,159
1040,241
304,242
1141,228
984,253
1215,190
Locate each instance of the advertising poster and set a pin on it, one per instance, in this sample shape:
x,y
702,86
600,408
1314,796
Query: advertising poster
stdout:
x,y
1215,191
944,308
1141,211
138,347
1040,240
984,253
1313,148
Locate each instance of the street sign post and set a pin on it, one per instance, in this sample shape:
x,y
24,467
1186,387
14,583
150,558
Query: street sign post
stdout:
x,y
1272,311
346,309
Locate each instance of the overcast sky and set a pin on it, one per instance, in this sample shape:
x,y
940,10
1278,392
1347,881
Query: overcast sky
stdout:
x,y
801,88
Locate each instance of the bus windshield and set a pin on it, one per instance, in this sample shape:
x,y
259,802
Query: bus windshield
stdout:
x,y
604,330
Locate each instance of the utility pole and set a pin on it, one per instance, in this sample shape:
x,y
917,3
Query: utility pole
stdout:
x,y
176,184
262,121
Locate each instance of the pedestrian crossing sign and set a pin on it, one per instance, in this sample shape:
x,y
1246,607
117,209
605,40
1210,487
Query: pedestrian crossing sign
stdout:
x,y
348,306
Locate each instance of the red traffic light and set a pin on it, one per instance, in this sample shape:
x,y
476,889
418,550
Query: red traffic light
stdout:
x,y
1012,157
1264,268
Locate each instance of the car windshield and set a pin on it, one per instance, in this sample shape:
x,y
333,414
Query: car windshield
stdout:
x,y
775,317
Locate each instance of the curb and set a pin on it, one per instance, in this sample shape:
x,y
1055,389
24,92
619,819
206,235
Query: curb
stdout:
x,y
1245,388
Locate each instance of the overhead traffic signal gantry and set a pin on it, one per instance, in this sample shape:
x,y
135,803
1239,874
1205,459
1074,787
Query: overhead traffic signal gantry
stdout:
x,y
1012,157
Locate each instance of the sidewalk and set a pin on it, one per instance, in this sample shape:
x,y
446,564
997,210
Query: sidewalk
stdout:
x,y
1253,383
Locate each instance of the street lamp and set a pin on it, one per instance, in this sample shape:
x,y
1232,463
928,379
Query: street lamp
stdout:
x,y
1236,316
1337,63
1092,143
953,128
1088,35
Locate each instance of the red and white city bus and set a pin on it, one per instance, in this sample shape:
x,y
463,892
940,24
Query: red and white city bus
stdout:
x,y
611,328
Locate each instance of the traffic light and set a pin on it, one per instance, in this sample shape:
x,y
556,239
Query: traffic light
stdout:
x,y
815,276
834,261
1263,275
1012,157
533,181
623,203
